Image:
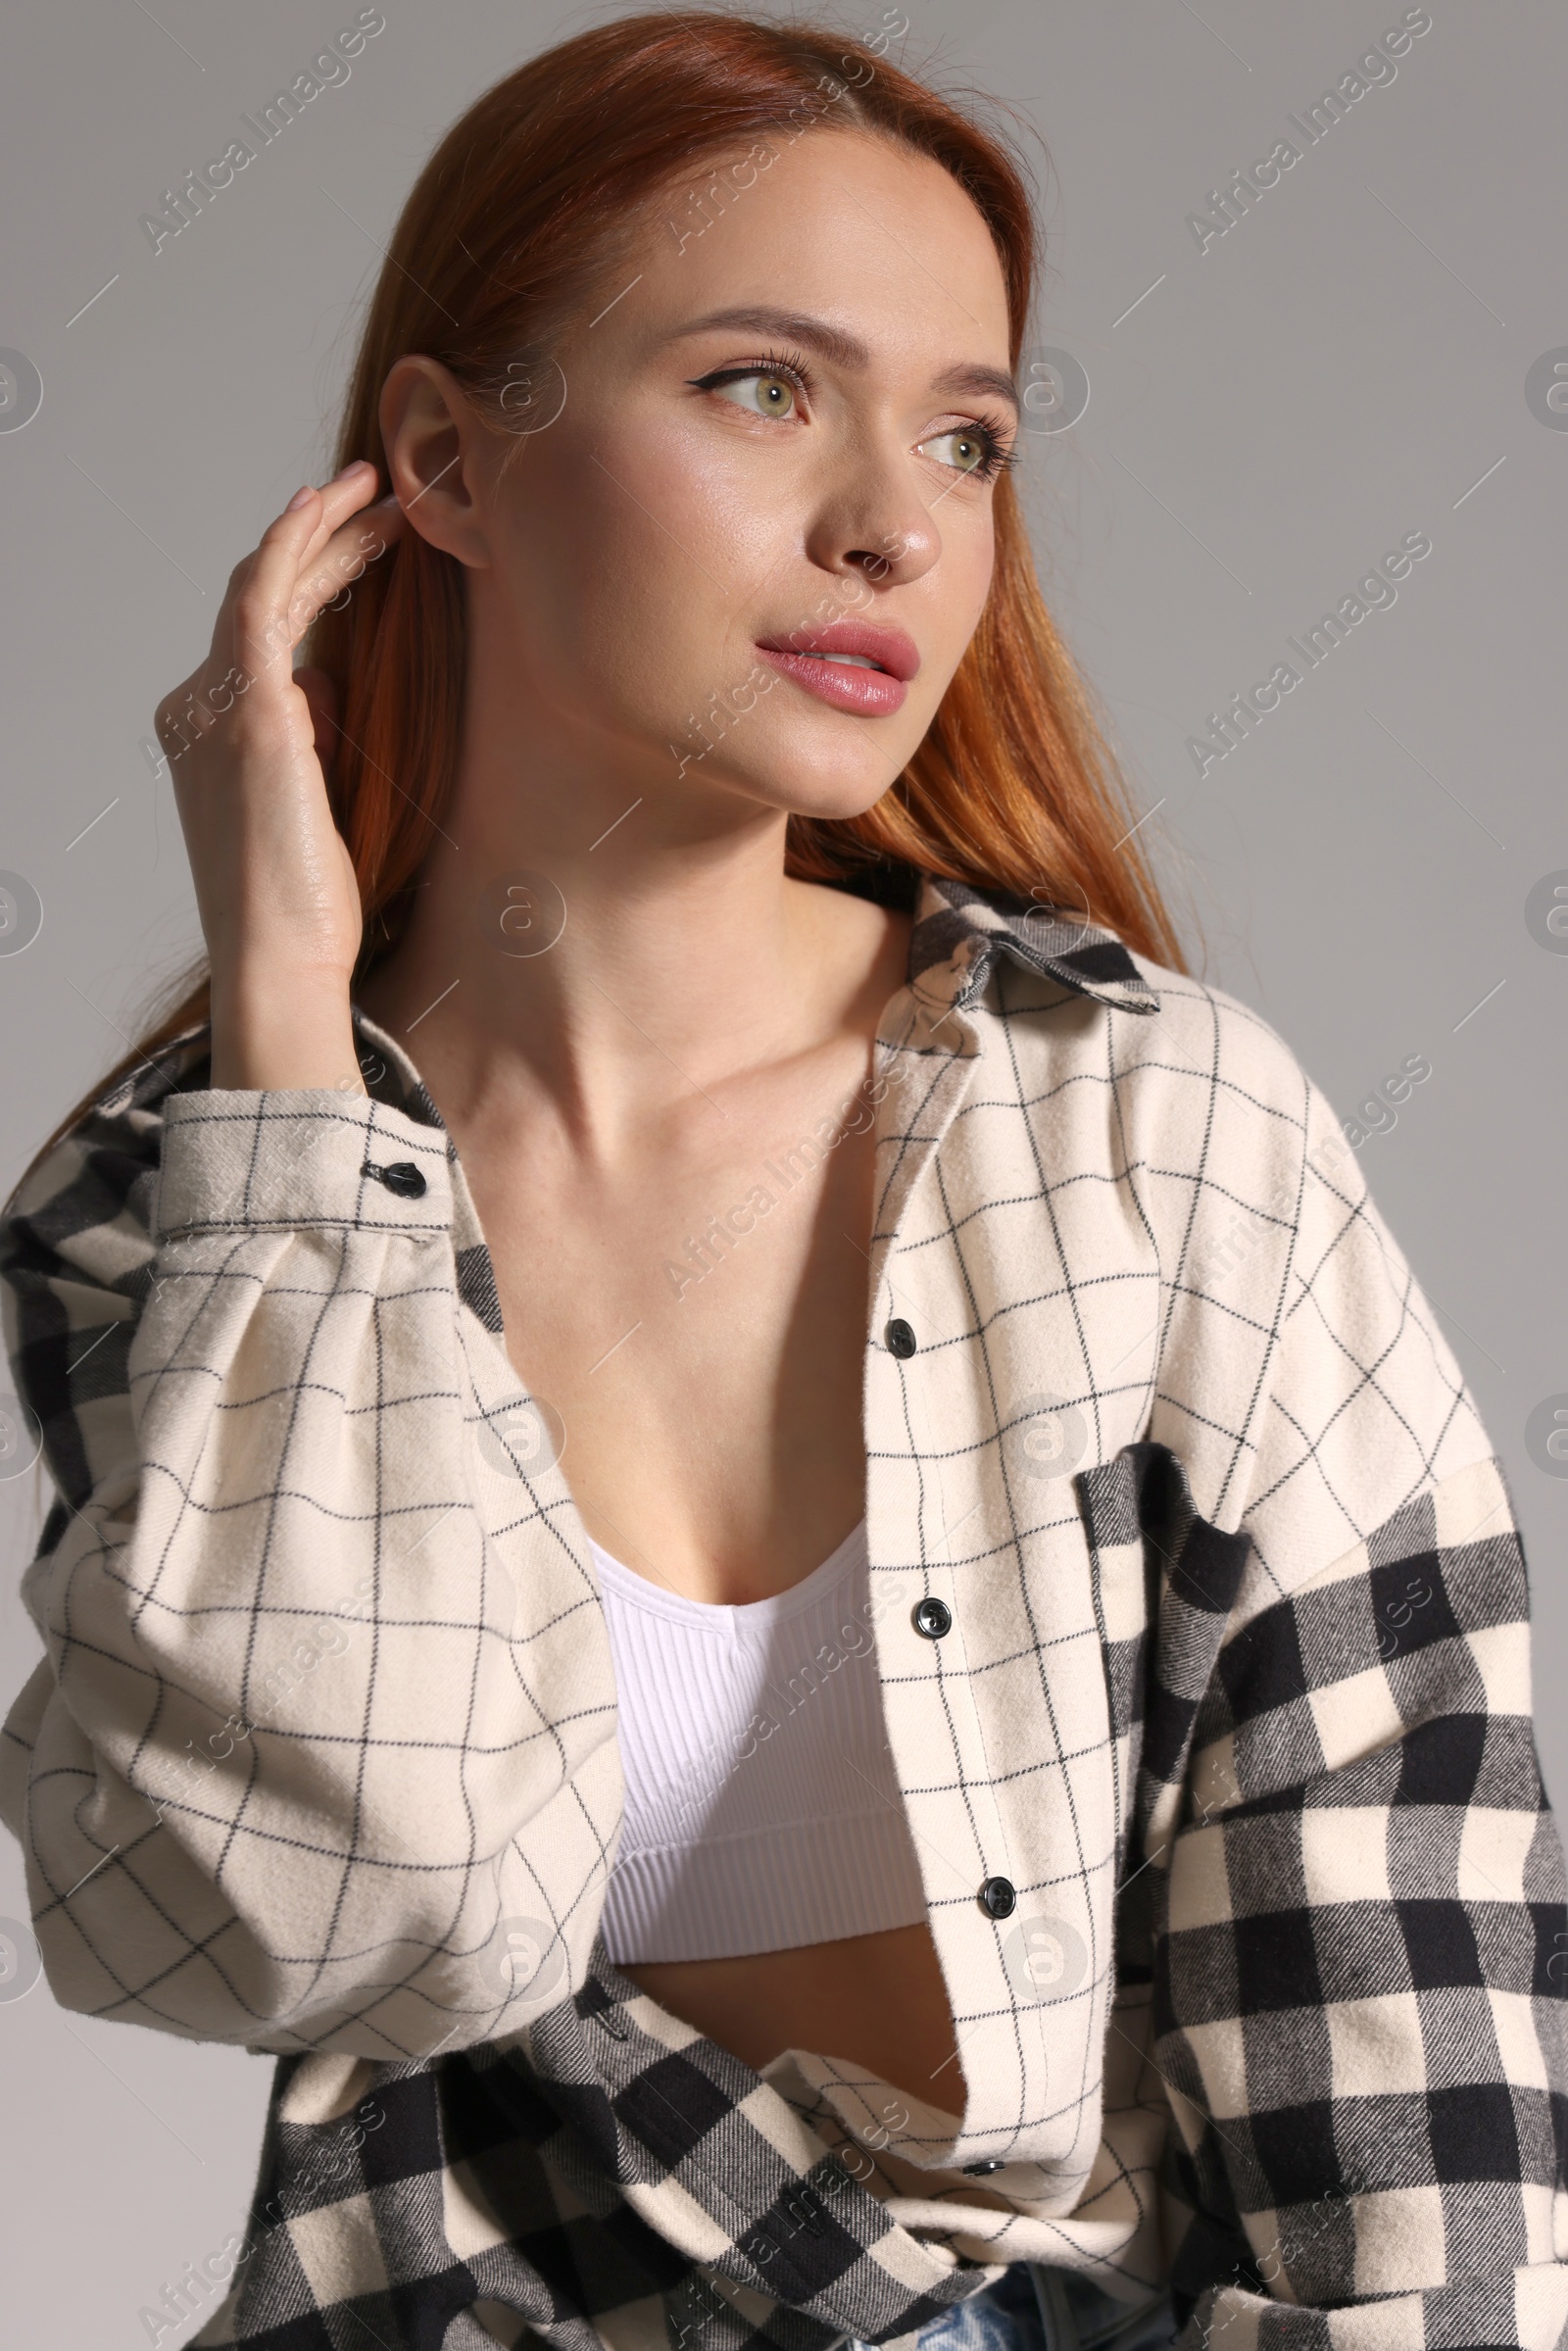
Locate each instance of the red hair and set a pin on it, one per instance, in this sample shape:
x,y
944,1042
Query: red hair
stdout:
x,y
533,195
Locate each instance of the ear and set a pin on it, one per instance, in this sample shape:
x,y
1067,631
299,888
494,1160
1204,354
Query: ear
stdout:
x,y
437,452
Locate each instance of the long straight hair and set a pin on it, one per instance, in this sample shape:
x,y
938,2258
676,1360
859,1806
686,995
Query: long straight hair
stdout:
x,y
536,193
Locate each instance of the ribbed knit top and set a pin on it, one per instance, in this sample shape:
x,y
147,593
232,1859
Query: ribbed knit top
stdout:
x,y
761,1810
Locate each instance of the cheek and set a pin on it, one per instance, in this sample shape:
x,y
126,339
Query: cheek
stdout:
x,y
635,547
714,522
973,558
953,596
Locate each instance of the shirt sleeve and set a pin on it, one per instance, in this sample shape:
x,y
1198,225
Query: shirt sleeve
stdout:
x,y
1360,1970
282,1776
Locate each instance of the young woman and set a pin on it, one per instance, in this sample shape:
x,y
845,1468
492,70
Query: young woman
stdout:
x,y
759,1545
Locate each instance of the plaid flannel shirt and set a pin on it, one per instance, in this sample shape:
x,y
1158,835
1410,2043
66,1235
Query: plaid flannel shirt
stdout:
x,y
1223,1783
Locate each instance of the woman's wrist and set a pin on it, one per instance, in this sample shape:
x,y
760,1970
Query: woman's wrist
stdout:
x,y
291,1031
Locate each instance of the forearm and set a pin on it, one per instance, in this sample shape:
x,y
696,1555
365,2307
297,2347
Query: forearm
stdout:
x,y
272,1778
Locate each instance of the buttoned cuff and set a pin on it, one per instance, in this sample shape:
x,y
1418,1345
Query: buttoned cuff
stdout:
x,y
271,1160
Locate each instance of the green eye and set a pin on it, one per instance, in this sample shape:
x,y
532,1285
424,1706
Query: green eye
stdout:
x,y
763,395
967,451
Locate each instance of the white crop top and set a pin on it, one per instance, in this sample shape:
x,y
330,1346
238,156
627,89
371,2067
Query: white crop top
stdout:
x,y
762,1809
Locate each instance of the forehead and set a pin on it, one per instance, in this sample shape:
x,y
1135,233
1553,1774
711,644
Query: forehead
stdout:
x,y
836,223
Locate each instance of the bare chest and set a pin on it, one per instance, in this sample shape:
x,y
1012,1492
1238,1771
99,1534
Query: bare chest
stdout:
x,y
696,1323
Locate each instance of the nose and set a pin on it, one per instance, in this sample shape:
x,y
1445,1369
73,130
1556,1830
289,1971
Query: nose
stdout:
x,y
874,522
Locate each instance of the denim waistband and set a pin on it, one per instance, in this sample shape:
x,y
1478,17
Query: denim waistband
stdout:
x,y
1032,2307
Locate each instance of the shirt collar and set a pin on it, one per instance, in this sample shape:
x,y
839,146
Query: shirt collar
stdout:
x,y
959,930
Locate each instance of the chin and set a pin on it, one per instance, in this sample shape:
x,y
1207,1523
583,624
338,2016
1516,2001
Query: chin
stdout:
x,y
804,787
835,769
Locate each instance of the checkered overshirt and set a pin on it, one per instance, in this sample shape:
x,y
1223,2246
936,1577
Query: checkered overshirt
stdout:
x,y
1222,1778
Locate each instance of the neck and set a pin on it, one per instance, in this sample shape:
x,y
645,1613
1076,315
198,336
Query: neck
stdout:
x,y
655,948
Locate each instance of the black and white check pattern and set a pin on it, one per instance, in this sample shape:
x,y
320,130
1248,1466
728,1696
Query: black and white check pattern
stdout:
x,y
1236,1696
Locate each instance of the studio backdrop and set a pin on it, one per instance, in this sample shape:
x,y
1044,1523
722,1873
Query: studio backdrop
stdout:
x,y
1296,462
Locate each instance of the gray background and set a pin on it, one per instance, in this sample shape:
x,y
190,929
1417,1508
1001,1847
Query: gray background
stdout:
x,y
1341,369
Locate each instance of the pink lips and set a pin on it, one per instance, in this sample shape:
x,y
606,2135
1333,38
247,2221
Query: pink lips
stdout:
x,y
802,654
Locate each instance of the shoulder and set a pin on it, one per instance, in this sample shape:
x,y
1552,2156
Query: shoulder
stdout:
x,y
1210,1067
1188,1067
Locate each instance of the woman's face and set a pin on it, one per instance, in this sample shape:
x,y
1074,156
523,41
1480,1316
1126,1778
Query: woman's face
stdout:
x,y
777,443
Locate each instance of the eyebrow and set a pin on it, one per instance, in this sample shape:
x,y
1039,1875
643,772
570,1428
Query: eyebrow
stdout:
x,y
847,350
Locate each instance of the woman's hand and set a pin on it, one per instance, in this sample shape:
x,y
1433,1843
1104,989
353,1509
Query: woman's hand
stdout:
x,y
275,884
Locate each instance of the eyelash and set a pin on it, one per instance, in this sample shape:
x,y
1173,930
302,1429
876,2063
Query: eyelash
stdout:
x,y
795,370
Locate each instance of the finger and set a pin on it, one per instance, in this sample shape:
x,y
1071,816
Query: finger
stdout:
x,y
262,592
320,558
339,498
324,509
307,523
342,559
313,525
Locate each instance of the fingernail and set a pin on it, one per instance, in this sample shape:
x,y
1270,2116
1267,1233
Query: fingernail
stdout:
x,y
298,498
354,465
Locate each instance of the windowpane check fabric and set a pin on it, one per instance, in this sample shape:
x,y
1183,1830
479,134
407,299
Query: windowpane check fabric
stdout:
x,y
320,1757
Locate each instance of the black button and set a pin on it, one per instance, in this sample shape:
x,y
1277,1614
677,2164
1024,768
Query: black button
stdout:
x,y
933,1618
402,1177
998,1896
978,2170
901,1339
